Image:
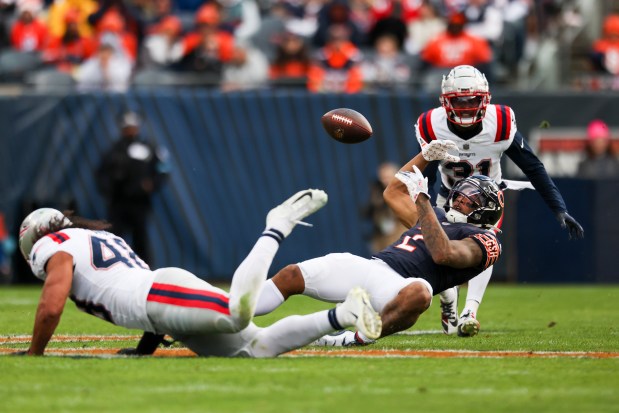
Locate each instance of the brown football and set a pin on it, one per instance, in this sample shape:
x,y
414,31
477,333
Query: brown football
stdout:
x,y
346,125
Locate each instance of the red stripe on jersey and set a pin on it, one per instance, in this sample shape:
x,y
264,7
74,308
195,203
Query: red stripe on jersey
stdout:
x,y
499,123
58,237
429,123
508,120
425,127
503,123
188,303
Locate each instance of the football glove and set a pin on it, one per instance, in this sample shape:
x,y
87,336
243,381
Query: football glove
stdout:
x,y
574,228
147,345
415,182
437,151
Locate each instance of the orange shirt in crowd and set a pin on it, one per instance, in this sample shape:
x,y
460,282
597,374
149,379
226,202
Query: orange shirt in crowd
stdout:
x,y
27,37
447,50
336,69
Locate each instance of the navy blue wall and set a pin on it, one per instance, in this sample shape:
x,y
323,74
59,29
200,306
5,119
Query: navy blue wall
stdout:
x,y
234,156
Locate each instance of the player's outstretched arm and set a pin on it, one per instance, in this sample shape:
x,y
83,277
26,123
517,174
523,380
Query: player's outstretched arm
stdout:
x,y
397,197
396,194
53,298
453,253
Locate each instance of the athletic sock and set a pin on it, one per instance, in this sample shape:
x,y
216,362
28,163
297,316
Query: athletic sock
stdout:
x,y
269,299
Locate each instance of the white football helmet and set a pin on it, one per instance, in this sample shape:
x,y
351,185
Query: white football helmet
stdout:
x,y
465,94
35,225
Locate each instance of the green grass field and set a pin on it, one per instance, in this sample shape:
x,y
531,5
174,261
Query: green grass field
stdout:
x,y
523,318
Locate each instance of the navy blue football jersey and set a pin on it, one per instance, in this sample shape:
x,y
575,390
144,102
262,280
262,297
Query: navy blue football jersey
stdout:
x,y
410,257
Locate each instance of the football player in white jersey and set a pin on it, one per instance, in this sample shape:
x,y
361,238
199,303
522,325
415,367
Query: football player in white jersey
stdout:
x,y
77,259
483,132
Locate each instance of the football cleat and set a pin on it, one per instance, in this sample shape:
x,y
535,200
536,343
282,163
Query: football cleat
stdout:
x,y
469,326
357,311
449,310
285,216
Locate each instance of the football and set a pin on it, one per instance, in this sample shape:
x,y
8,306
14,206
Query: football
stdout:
x,y
346,125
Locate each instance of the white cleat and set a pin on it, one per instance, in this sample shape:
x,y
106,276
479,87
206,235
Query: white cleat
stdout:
x,y
469,325
285,216
449,310
357,311
343,338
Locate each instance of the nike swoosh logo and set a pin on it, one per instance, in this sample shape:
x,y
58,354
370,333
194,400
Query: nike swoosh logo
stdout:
x,y
522,144
308,193
355,315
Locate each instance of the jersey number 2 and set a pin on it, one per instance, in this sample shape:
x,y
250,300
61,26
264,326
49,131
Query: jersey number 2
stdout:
x,y
404,244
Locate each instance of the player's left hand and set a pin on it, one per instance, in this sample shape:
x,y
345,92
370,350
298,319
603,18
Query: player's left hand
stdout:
x,y
574,228
415,182
437,151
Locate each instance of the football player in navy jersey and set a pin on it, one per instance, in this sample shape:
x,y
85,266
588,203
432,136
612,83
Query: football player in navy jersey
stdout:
x,y
443,249
482,133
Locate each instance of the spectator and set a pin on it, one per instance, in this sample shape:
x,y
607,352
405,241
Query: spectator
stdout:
x,y
240,17
128,176
292,61
386,67
71,49
456,47
484,20
126,12
336,66
248,69
163,46
208,47
109,69
605,51
421,30
386,228
7,246
113,23
599,161
336,12
7,9
79,9
29,33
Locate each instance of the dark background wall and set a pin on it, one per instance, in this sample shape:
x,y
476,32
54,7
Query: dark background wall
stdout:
x,y
235,156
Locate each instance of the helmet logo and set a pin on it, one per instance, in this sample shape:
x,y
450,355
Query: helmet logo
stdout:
x,y
501,198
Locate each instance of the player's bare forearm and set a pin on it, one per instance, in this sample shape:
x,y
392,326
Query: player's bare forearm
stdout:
x,y
53,298
397,198
453,253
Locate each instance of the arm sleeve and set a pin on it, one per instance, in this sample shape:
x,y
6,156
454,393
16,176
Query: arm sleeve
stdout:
x,y
521,153
490,248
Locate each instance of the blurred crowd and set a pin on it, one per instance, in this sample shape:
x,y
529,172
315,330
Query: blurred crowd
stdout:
x,y
322,45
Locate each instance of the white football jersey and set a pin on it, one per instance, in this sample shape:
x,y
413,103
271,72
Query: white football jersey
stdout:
x,y
480,154
109,280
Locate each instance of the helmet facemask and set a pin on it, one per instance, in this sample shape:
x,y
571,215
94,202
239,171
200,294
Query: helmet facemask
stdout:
x,y
475,200
465,95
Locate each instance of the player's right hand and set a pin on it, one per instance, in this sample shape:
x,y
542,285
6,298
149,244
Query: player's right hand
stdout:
x,y
438,150
415,182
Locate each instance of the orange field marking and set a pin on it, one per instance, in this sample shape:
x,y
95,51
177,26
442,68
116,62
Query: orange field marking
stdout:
x,y
330,352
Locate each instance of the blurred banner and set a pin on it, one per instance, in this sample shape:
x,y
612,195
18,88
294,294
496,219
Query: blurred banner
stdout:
x,y
235,156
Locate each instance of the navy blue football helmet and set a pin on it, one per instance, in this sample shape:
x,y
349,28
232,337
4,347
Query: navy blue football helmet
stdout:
x,y
482,196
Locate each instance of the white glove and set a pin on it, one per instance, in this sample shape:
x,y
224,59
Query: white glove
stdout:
x,y
415,182
437,151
